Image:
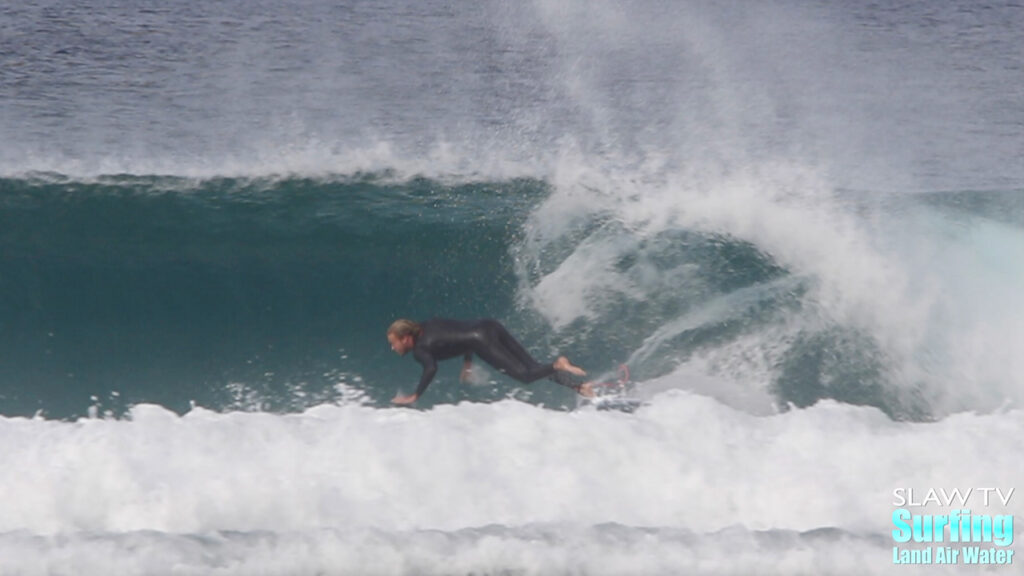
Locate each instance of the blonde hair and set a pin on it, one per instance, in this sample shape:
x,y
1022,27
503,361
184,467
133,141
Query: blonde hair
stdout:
x,y
403,328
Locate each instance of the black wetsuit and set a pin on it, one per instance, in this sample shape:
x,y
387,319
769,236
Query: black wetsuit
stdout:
x,y
442,339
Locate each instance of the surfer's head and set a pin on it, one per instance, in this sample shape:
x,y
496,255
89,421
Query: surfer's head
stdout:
x,y
402,335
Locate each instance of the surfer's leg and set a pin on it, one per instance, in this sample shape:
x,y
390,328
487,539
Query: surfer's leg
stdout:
x,y
499,349
512,345
563,379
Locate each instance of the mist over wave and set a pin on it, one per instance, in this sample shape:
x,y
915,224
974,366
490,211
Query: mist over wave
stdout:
x,y
910,97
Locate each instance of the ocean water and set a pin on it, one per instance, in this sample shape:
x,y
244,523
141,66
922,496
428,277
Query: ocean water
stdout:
x,y
800,225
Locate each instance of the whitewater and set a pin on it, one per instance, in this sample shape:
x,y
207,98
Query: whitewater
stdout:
x,y
685,485
799,225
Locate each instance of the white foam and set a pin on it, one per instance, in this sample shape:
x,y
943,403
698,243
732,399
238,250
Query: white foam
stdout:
x,y
935,294
683,462
971,268
533,550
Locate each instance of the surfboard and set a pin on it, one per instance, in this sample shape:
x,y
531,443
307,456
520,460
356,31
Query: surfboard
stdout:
x,y
621,404
614,395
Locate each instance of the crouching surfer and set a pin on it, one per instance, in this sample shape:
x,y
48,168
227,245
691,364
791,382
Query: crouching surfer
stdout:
x,y
442,339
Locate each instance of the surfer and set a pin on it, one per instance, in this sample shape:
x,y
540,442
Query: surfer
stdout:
x,y
442,339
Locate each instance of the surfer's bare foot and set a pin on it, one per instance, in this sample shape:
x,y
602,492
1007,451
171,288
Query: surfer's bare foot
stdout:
x,y
404,400
586,390
563,365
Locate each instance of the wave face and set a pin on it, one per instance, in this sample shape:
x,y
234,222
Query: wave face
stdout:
x,y
237,294
273,294
798,223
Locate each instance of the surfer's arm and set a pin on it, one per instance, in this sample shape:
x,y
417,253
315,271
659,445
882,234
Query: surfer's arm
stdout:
x,y
425,378
429,370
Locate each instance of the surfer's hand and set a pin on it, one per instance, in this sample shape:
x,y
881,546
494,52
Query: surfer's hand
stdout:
x,y
404,399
